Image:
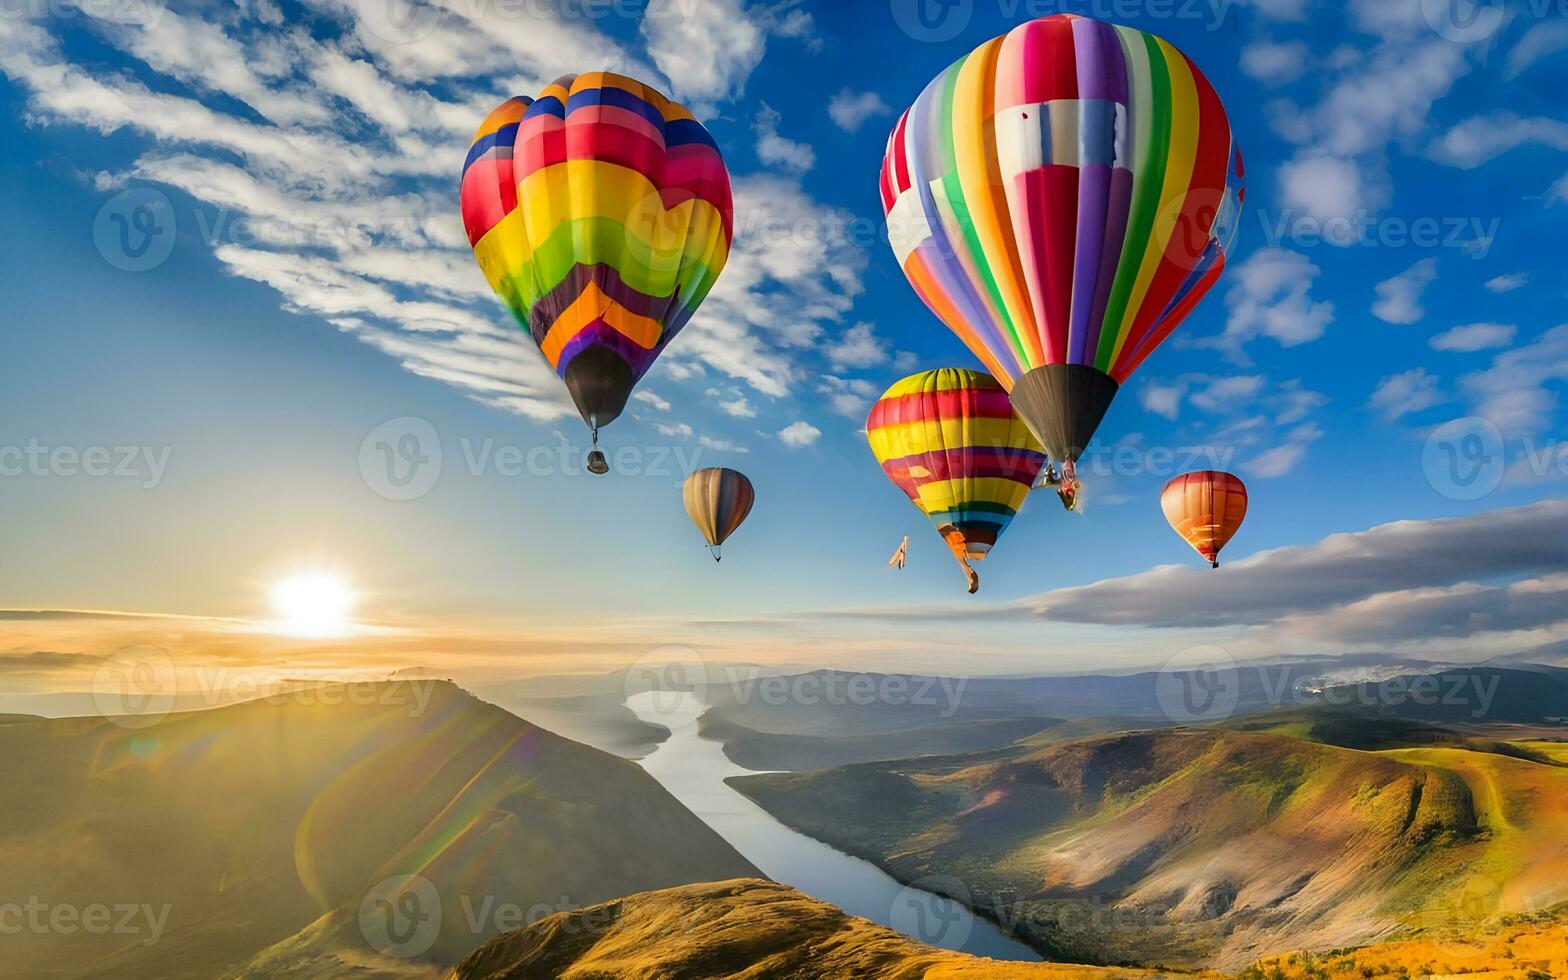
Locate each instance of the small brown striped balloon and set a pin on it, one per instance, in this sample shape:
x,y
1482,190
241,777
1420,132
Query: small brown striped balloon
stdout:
x,y
718,500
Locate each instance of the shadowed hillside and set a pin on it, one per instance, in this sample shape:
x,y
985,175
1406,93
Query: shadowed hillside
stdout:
x,y
1202,846
288,821
731,929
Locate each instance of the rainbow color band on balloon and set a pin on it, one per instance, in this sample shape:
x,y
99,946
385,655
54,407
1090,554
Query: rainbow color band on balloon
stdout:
x,y
601,214
1061,198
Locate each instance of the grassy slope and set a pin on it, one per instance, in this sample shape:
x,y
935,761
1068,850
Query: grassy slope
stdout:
x,y
755,929
1199,846
253,822
734,929
1517,949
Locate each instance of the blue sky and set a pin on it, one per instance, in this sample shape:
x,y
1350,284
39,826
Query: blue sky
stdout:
x,y
309,281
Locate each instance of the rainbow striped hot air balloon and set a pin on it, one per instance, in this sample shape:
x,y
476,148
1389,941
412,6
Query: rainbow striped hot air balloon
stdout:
x,y
601,214
1062,198
951,441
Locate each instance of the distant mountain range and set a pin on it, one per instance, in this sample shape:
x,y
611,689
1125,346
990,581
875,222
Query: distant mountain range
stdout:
x,y
277,838
816,720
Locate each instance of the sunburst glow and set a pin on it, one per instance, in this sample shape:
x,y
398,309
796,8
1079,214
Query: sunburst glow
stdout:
x,y
313,604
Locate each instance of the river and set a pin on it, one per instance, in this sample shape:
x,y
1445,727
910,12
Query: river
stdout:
x,y
694,768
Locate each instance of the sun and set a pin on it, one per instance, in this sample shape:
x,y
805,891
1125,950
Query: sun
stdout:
x,y
313,604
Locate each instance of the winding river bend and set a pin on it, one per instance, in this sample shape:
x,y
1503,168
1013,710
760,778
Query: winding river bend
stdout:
x,y
693,769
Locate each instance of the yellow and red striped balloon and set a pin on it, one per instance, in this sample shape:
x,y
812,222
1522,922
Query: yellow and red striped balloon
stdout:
x,y
951,441
601,214
1206,508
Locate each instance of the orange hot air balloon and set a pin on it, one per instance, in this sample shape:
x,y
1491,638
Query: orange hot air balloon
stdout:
x,y
1206,508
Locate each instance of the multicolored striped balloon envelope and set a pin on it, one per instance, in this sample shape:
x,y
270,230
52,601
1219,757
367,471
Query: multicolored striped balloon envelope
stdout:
x,y
717,500
951,441
601,214
1206,508
1062,198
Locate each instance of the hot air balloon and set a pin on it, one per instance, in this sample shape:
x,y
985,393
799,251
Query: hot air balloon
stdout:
x,y
600,213
1206,508
951,441
1062,198
718,500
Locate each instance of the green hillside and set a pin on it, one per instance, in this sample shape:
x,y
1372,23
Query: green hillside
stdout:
x,y
1202,847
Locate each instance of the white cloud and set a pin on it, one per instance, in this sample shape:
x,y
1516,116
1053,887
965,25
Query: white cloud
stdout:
x,y
1480,139
1401,394
1546,38
1507,283
779,151
1399,298
850,109
1163,400
721,445
1346,584
651,399
1516,392
799,435
1325,187
707,50
1275,63
732,402
1376,98
1281,459
1475,336
1271,296
857,347
675,430
849,397
795,271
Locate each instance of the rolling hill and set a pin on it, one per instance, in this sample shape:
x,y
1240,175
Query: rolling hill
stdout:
x,y
1202,847
273,837
732,929
757,929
